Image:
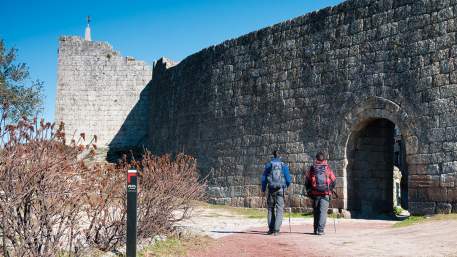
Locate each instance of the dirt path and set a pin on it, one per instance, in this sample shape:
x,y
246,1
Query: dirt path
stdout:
x,y
353,238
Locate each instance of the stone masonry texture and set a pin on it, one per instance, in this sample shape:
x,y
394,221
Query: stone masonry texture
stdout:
x,y
101,93
308,84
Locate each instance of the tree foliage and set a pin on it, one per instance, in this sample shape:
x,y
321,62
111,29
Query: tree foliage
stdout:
x,y
23,94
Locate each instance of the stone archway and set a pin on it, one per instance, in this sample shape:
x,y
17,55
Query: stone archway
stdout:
x,y
370,155
368,116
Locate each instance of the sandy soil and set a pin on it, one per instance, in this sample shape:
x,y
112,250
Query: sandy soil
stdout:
x,y
237,236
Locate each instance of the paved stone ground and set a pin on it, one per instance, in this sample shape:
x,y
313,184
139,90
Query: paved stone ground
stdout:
x,y
352,238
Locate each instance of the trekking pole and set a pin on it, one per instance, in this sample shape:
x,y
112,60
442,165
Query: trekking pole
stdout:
x,y
336,195
284,197
331,205
290,210
334,218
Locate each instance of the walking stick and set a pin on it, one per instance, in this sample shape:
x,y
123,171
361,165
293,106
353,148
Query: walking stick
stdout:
x,y
284,197
331,206
290,210
334,219
330,202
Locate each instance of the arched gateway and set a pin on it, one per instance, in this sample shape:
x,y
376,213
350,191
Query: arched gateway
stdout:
x,y
368,133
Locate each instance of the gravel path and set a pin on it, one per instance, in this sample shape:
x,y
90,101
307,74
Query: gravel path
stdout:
x,y
218,223
238,236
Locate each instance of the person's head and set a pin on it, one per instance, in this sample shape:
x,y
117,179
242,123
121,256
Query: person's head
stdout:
x,y
320,156
275,153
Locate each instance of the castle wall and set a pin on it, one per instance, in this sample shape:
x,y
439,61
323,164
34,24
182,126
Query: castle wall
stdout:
x,y
100,92
310,83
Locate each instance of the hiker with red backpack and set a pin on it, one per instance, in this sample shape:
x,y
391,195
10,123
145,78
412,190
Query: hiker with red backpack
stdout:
x,y
319,183
276,179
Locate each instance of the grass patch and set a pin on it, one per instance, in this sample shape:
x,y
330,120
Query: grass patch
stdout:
x,y
250,213
174,246
413,220
253,213
168,247
398,210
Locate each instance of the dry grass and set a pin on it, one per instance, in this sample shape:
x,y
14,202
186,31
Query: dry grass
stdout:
x,y
174,246
252,213
414,220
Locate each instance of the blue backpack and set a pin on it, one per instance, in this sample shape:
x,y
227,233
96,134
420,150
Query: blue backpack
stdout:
x,y
275,178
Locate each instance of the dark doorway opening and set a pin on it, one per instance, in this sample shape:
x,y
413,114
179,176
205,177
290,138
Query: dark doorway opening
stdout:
x,y
373,189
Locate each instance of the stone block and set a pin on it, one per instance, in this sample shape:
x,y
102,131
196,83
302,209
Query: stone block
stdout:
x,y
345,214
443,208
450,167
421,181
447,180
434,194
452,194
254,202
422,208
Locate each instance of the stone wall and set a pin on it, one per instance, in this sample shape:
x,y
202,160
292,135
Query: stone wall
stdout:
x,y
308,84
101,93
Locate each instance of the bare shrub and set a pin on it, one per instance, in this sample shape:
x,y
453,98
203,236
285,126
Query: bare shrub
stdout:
x,y
104,208
168,187
52,203
39,189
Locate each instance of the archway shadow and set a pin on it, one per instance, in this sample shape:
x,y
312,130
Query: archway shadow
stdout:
x,y
380,216
371,184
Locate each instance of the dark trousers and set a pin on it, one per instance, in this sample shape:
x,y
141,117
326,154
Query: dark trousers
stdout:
x,y
275,202
320,208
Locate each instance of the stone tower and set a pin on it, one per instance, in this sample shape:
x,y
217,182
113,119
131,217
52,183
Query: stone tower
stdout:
x,y
101,93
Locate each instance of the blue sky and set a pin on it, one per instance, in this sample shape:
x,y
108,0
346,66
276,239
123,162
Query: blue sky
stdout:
x,y
144,29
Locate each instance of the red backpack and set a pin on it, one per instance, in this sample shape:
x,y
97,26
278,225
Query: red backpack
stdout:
x,y
320,179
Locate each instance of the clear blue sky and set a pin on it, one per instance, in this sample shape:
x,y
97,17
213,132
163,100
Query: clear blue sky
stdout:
x,y
144,29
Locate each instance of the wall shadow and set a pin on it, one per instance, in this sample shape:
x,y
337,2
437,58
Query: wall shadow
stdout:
x,y
131,139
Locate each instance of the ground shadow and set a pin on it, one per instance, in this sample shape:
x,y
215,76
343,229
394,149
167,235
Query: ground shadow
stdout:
x,y
255,232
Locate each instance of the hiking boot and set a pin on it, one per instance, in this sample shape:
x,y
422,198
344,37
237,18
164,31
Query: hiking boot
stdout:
x,y
276,234
270,232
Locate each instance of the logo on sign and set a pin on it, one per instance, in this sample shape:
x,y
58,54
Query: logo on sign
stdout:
x,y
131,188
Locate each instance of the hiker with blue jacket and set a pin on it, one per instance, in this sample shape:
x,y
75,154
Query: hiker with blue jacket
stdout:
x,y
276,179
